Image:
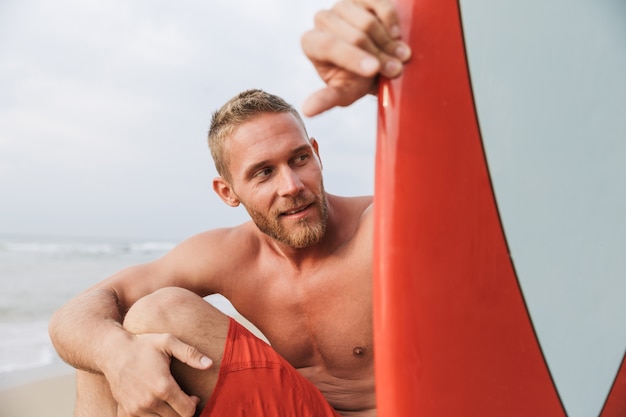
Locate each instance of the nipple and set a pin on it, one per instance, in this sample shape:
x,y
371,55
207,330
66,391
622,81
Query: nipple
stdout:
x,y
359,351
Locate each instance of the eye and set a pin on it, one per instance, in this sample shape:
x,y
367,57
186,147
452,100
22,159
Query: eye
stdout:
x,y
263,173
301,159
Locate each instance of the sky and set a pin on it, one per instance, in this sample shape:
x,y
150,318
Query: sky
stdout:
x,y
105,105
104,108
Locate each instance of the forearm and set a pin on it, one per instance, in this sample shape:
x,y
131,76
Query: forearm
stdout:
x,y
84,328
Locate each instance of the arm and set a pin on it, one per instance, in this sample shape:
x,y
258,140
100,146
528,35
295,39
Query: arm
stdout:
x,y
350,45
87,331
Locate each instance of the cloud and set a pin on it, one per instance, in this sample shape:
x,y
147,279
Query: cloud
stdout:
x,y
106,105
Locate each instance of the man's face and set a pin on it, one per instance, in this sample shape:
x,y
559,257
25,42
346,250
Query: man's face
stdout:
x,y
277,176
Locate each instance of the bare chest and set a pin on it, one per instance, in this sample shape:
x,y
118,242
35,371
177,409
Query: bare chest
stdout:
x,y
321,320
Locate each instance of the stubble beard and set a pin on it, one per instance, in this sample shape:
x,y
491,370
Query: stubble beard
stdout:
x,y
307,231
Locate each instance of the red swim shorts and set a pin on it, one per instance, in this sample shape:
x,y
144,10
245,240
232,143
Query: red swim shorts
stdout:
x,y
254,380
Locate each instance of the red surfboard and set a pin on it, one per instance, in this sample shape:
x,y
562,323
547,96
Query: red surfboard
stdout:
x,y
453,336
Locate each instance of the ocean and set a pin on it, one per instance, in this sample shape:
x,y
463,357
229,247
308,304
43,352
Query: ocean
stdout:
x,y
38,275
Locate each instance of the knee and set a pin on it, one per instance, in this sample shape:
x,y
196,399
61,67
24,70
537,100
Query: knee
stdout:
x,y
160,311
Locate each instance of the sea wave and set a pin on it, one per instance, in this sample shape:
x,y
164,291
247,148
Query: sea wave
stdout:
x,y
39,274
24,345
85,248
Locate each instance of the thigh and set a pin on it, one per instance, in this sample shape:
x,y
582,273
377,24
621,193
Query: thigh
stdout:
x,y
255,380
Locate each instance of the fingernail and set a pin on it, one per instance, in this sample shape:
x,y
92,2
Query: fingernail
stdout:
x,y
205,361
403,52
395,31
392,68
369,65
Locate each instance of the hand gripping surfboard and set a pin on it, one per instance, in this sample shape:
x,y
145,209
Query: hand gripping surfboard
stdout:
x,y
453,336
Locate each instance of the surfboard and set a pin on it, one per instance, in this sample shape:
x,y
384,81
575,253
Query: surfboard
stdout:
x,y
458,329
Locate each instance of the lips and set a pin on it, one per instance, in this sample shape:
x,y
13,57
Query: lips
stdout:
x,y
295,210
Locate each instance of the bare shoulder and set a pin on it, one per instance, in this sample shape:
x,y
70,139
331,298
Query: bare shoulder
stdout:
x,y
206,260
353,216
353,207
216,241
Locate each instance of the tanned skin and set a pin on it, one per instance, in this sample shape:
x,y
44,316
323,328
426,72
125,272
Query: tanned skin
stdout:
x,y
313,303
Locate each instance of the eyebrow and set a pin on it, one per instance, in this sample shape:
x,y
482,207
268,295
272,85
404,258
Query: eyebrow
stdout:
x,y
249,172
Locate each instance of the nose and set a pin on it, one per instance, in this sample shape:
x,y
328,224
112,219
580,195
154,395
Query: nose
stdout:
x,y
290,183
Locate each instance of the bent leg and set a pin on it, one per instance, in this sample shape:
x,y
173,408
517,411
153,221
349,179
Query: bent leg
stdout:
x,y
182,314
191,319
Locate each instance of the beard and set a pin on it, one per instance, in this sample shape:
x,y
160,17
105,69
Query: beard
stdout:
x,y
307,231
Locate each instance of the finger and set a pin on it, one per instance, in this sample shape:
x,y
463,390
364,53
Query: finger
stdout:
x,y
356,27
187,354
165,410
385,11
365,22
362,20
347,38
122,413
319,102
326,99
323,47
178,403
336,41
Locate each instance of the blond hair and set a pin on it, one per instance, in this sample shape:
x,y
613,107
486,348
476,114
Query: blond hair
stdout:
x,y
238,110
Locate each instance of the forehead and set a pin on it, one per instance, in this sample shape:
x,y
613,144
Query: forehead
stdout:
x,y
265,137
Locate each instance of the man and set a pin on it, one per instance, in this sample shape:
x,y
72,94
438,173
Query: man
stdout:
x,y
146,343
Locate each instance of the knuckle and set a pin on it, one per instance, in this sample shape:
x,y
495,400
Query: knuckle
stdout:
x,y
340,5
317,44
141,407
191,352
161,389
390,46
321,17
368,24
151,404
359,39
386,10
326,42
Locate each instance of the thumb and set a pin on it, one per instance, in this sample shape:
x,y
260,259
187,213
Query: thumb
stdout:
x,y
188,354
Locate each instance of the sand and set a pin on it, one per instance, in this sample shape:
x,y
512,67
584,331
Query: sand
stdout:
x,y
51,397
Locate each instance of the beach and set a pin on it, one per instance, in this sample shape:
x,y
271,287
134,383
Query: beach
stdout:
x,y
51,397
37,276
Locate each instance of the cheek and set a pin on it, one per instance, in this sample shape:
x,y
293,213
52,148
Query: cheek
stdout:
x,y
261,197
312,175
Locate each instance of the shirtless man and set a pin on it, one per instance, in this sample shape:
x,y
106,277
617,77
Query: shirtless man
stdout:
x,y
146,343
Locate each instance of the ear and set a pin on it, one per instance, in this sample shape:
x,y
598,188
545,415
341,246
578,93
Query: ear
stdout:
x,y
315,146
225,191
